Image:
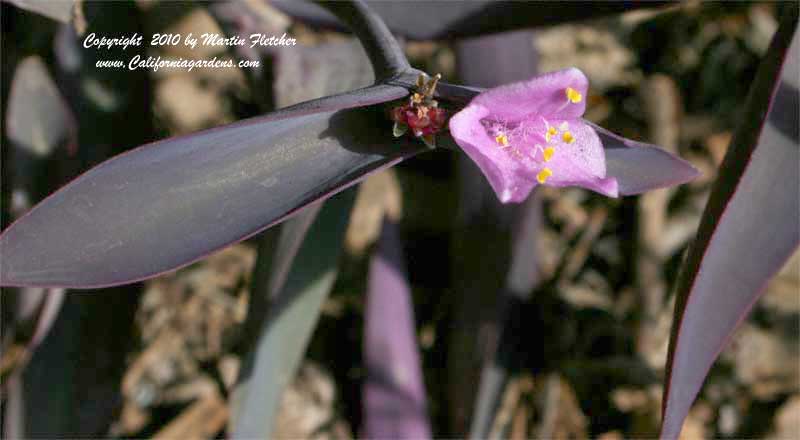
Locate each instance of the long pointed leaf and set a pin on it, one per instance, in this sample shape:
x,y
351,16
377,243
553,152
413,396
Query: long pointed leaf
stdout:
x,y
747,232
481,63
447,19
61,10
290,320
394,392
169,203
640,167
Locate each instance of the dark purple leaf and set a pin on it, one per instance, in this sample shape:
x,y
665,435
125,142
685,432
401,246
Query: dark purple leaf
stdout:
x,y
171,202
481,63
305,73
60,10
71,385
446,19
91,336
747,232
244,19
394,392
482,60
640,167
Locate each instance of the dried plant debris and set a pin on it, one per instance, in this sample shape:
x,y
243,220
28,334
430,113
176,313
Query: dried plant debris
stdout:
x,y
188,323
592,49
764,362
308,408
378,196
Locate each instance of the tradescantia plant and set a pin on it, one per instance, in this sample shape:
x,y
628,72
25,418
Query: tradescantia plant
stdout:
x,y
169,203
300,154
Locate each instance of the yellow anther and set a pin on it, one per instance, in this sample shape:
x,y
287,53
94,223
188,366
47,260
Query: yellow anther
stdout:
x,y
573,95
547,153
543,175
551,131
568,137
501,140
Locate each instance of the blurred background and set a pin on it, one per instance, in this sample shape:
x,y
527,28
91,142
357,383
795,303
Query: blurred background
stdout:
x,y
586,330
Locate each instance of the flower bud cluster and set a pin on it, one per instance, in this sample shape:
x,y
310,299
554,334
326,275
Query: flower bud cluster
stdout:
x,y
421,114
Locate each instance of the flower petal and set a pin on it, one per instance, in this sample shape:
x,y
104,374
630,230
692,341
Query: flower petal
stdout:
x,y
542,95
582,163
508,176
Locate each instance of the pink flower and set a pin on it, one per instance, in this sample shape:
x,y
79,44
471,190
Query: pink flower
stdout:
x,y
530,133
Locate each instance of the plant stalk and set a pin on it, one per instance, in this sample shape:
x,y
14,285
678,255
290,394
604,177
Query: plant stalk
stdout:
x,y
382,48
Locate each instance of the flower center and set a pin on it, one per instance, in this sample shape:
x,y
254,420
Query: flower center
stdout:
x,y
520,138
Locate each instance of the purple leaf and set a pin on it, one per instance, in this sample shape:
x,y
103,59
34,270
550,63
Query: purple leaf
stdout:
x,y
394,393
747,232
482,60
639,167
446,19
244,19
71,385
166,204
304,73
511,229
61,10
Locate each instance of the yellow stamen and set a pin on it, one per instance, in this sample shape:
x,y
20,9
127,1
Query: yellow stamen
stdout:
x,y
573,95
543,175
568,137
551,131
548,153
501,140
